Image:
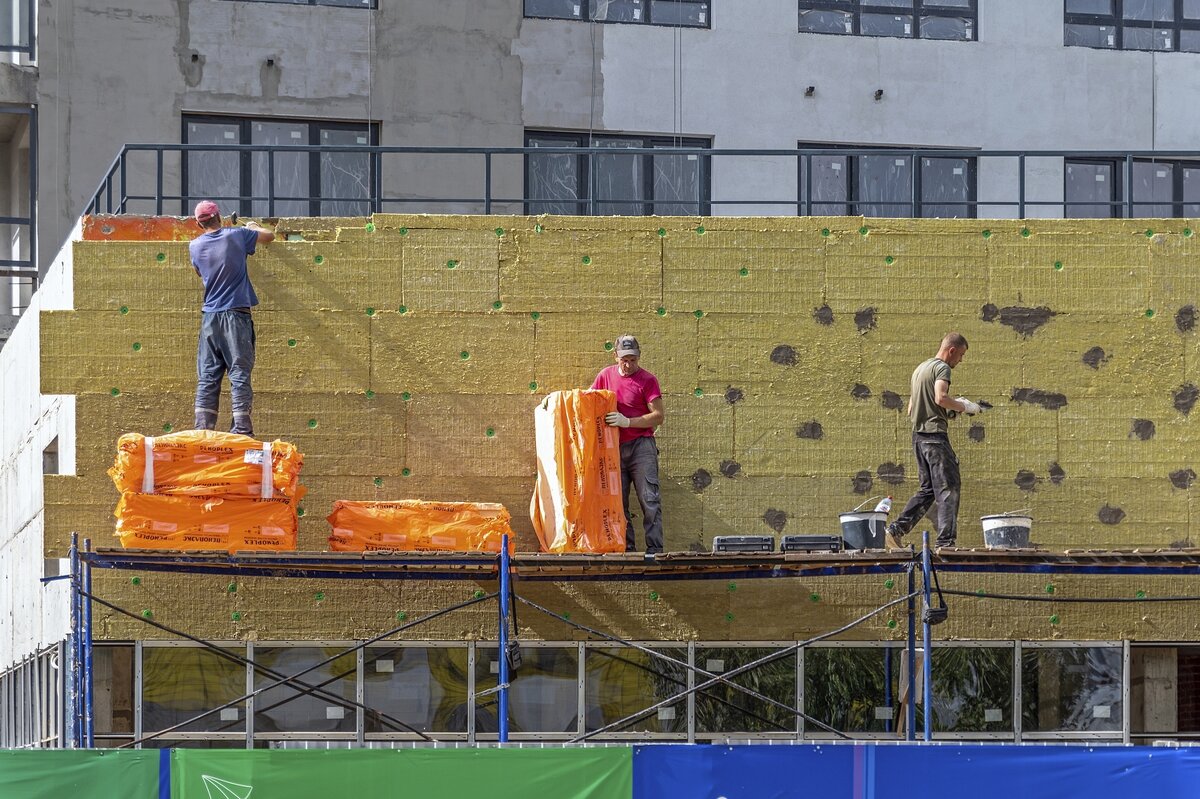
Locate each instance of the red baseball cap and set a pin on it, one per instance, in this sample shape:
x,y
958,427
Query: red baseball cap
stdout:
x,y
206,210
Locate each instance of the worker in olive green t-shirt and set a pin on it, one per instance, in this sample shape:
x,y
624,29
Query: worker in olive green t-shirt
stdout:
x,y
929,409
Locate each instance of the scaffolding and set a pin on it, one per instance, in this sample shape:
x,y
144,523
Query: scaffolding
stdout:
x,y
507,570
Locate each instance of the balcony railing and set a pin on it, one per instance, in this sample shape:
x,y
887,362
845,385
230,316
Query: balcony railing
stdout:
x,y
897,182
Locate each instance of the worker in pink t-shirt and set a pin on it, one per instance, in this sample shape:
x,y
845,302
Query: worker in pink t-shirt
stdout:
x,y
639,411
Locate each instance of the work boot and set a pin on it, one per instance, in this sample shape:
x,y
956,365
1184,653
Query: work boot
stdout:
x,y
893,536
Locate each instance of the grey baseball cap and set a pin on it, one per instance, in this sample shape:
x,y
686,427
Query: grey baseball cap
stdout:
x,y
627,345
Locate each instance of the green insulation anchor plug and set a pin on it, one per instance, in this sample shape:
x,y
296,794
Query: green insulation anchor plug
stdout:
x,y
864,230
987,234
608,345
116,392
490,432
586,260
1058,265
369,394
124,309
137,346
567,615
319,596
1149,313
661,311
662,232
731,587
370,226
300,511
699,314
162,256
814,597
728,617
318,260
236,615
1140,594
401,616
980,592
231,588
654,596
743,272
291,342
312,424
405,472
499,232
1025,233
403,231
1054,619
147,614
1049,589
538,229
464,355
168,427
478,593
533,386
135,580
497,305
378,481
889,583
699,392
825,232
534,315
370,312
889,260
406,396
402,309
451,264
891,624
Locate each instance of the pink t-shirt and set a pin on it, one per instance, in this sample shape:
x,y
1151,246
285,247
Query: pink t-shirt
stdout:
x,y
634,395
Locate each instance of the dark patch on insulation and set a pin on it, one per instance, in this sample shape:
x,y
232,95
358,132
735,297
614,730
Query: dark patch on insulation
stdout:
x,y
1050,400
1057,475
1142,429
864,319
1185,398
1026,480
733,395
891,400
810,429
775,519
1185,319
730,468
1110,515
860,392
701,480
783,355
890,473
1185,543
862,482
823,315
1024,320
1095,357
976,433
1183,478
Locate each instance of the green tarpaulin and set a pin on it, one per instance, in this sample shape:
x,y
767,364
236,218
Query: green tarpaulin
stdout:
x,y
79,774
419,773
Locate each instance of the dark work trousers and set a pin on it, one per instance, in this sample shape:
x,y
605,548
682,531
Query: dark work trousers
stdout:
x,y
226,346
937,468
639,468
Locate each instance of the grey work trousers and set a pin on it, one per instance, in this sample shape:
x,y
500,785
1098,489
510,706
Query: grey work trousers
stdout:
x,y
937,469
226,347
639,468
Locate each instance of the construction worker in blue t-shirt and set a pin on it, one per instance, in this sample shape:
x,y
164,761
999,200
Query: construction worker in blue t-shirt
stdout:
x,y
226,328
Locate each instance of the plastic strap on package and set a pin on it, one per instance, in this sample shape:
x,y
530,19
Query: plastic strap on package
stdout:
x,y
207,463
577,502
159,521
419,525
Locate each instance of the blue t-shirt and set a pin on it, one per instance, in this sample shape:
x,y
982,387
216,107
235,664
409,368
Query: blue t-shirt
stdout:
x,y
220,260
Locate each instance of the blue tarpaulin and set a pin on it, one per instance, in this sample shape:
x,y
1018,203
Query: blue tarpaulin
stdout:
x,y
868,771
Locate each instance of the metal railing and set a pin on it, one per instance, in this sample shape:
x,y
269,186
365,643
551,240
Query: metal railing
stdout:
x,y
27,266
153,179
18,32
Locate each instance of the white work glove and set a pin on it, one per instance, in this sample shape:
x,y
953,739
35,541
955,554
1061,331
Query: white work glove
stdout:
x,y
616,419
969,408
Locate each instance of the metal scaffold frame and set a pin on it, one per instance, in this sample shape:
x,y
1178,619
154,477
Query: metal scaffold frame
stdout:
x,y
504,567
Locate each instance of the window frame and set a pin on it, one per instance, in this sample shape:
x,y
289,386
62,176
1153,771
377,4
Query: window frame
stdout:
x,y
1117,20
585,203
585,15
856,8
246,197
370,5
853,203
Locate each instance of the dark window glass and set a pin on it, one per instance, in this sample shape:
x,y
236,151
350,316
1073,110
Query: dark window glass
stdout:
x,y
882,185
1089,6
885,25
946,187
1191,191
287,708
423,687
299,183
1071,689
341,3
1152,10
722,708
620,682
1189,41
820,21
619,183
1148,39
181,682
1191,9
853,689
885,185
559,9
679,12
1104,36
972,689
1153,189
950,28
544,696
830,185
617,10
1090,189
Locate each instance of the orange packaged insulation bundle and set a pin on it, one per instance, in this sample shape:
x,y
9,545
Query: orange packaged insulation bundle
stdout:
x,y
417,525
155,521
204,490
577,503
206,463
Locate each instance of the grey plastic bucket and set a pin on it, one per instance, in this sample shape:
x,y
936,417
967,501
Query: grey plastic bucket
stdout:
x,y
863,529
1006,531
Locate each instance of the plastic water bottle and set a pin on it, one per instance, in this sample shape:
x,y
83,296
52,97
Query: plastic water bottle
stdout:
x,y
884,506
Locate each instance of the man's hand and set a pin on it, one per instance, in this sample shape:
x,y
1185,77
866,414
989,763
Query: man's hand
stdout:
x,y
616,419
969,408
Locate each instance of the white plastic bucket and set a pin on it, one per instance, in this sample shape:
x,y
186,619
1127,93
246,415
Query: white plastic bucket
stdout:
x,y
1006,531
863,529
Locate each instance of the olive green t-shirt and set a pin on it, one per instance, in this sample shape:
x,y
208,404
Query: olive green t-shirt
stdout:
x,y
924,413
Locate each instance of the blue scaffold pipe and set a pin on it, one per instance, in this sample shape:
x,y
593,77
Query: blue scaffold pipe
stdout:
x,y
926,569
89,705
73,649
503,639
910,728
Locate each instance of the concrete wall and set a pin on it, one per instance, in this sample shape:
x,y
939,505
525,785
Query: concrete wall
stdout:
x,y
477,73
32,614
784,347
